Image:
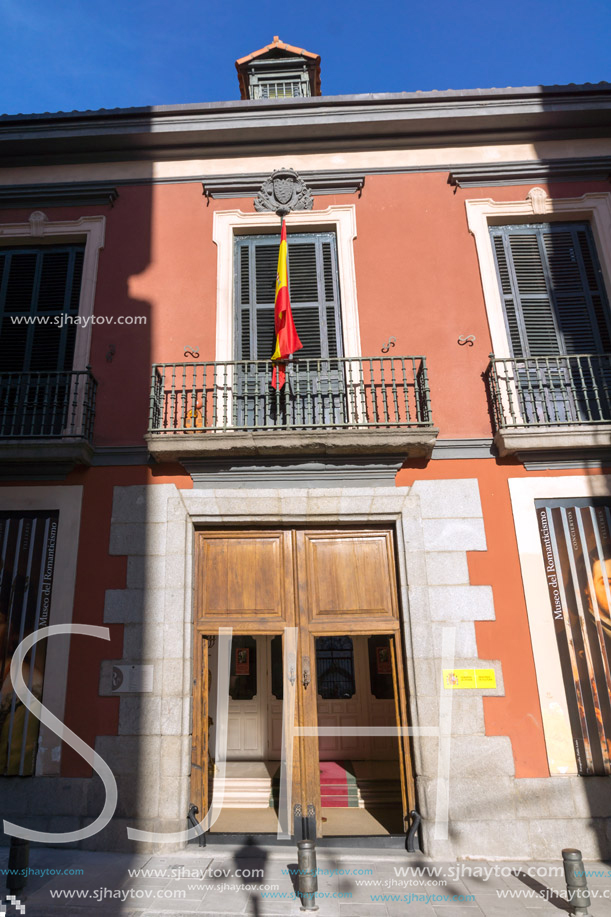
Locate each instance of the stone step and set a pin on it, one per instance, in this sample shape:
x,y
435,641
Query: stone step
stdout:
x,y
255,792
247,793
255,783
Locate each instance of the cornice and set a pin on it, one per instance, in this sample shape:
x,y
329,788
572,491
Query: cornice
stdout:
x,y
241,185
64,194
318,124
487,174
340,471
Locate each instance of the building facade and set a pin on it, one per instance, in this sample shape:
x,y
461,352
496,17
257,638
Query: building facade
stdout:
x,y
408,540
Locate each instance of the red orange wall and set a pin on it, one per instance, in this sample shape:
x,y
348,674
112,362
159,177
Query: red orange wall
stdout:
x,y
417,279
518,713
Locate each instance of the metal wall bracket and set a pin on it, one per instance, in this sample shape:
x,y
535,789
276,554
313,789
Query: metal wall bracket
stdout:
x,y
412,843
193,810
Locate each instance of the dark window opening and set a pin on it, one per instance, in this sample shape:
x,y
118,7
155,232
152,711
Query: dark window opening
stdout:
x,y
335,668
243,671
380,667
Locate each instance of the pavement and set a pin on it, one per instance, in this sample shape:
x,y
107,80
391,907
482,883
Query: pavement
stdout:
x,y
255,881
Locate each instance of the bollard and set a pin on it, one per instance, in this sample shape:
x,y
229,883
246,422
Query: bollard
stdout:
x,y
307,879
576,882
18,860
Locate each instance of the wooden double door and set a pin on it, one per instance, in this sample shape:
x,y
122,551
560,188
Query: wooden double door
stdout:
x,y
317,583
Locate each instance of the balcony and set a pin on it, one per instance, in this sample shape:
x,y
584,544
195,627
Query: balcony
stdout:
x,y
46,417
348,406
551,403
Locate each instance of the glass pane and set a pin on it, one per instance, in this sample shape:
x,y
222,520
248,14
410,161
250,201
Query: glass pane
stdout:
x,y
243,673
380,667
277,688
335,668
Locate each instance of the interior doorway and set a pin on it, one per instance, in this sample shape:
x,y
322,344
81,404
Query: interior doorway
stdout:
x,y
338,588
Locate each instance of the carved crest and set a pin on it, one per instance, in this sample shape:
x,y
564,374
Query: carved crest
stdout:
x,y
538,199
283,191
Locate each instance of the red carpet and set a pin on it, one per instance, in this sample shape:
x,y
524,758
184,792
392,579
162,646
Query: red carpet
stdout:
x,y
338,785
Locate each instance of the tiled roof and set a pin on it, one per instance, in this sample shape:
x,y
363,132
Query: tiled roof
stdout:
x,y
77,113
418,95
280,45
279,49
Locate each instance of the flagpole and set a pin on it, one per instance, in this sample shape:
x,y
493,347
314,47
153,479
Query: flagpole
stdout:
x,y
287,339
282,216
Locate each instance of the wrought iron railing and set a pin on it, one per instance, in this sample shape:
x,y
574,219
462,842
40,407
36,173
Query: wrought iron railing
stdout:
x,y
367,392
550,391
47,405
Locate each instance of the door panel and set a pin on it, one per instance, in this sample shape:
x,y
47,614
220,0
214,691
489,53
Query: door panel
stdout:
x,y
274,697
408,794
245,579
361,708
199,741
349,577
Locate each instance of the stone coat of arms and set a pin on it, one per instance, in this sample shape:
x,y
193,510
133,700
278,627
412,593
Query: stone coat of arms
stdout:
x,y
283,192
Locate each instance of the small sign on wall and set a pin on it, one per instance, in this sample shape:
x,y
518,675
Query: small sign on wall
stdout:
x,y
132,679
469,678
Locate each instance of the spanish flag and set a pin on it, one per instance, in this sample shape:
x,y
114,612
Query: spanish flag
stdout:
x,y
287,339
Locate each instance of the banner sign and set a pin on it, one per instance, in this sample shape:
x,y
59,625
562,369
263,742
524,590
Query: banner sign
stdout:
x,y
27,565
576,546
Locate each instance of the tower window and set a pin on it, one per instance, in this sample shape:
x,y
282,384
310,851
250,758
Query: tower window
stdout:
x,y
279,90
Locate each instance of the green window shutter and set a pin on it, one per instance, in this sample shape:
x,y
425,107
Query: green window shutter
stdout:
x,y
313,287
552,290
41,283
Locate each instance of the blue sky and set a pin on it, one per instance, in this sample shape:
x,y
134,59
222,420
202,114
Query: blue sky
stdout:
x,y
80,54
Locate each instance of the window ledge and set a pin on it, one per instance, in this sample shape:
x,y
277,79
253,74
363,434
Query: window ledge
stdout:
x,y
42,451
527,440
172,447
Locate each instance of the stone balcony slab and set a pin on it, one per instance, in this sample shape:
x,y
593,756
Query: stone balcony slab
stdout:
x,y
173,447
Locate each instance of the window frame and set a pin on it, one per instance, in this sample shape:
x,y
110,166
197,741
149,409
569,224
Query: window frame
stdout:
x,y
340,219
242,241
71,249
482,214
38,231
537,229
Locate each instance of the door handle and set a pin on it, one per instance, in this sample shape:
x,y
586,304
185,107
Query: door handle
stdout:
x,y
292,671
305,665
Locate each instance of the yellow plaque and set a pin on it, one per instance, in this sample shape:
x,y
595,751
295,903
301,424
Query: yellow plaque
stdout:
x,y
485,678
469,678
458,678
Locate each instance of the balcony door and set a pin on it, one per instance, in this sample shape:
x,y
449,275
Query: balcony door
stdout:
x,y
557,320
314,392
39,298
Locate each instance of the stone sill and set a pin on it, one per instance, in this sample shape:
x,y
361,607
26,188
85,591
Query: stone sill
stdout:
x,y
173,447
39,451
526,440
